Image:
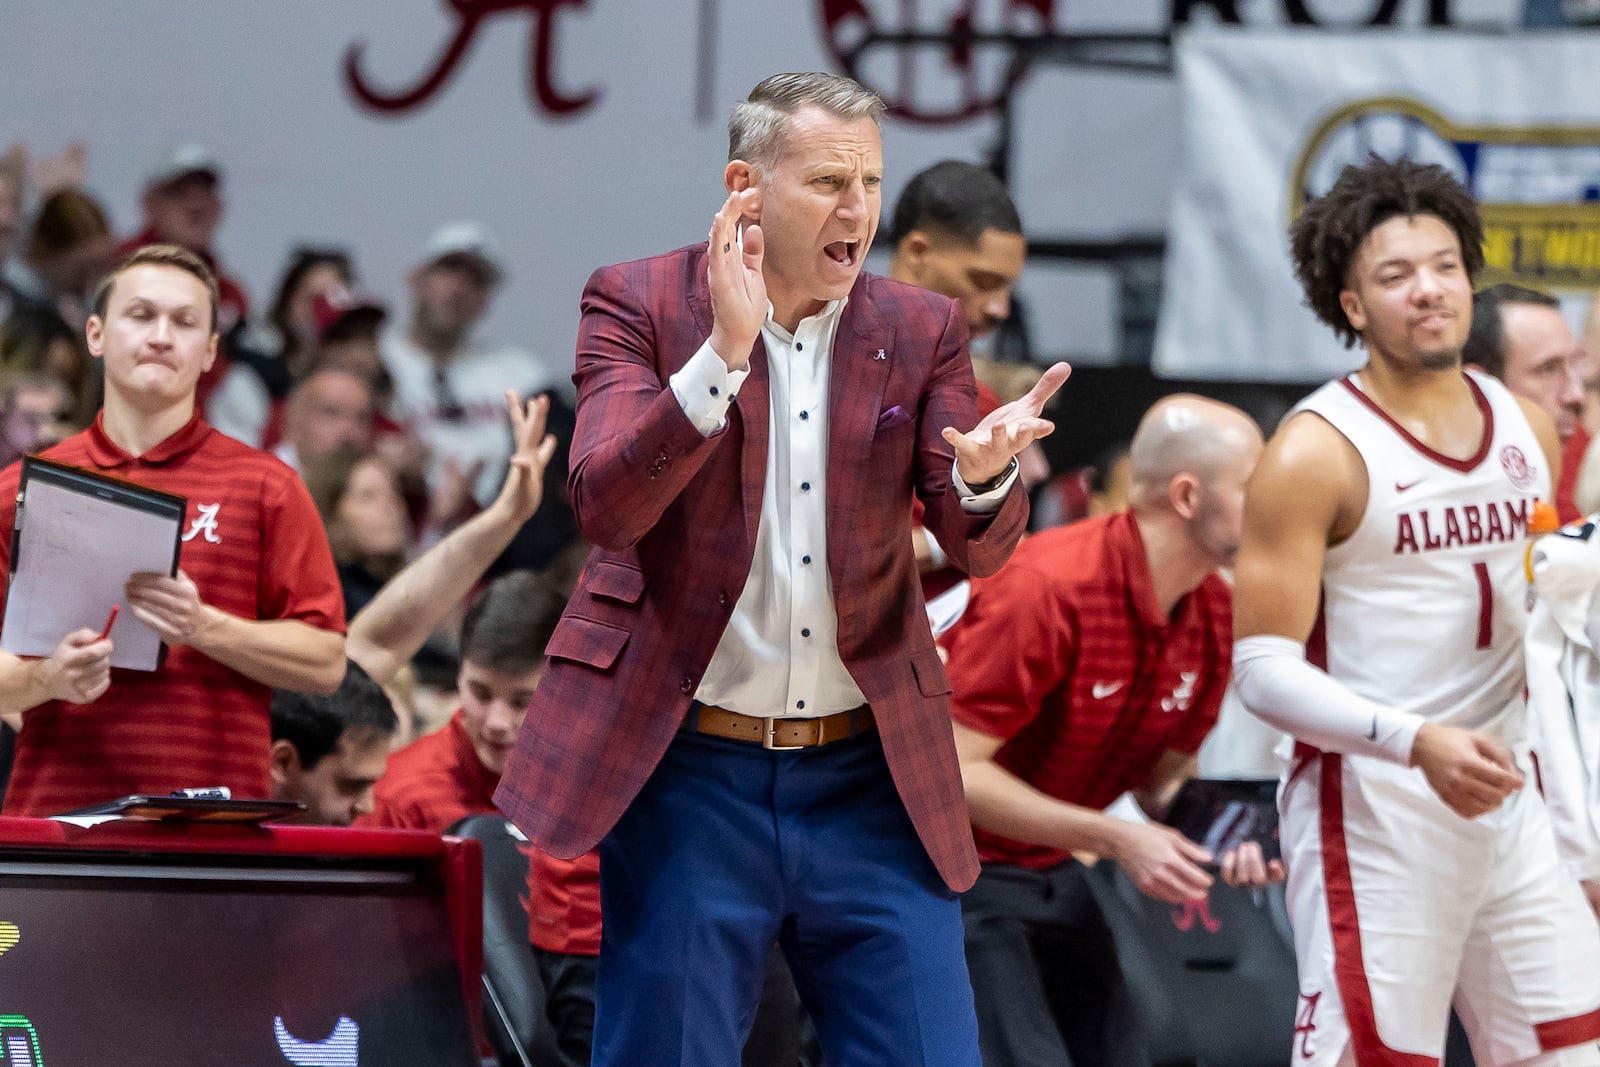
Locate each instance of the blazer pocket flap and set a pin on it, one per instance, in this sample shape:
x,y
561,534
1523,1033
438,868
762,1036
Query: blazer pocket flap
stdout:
x,y
585,641
616,581
932,680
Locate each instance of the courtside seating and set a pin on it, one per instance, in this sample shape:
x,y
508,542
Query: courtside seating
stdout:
x,y
513,993
1212,985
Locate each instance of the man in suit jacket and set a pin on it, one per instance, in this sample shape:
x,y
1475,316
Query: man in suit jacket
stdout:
x,y
743,705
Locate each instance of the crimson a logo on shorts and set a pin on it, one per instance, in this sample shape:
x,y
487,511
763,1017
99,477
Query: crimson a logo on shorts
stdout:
x,y
1517,467
1305,1024
932,64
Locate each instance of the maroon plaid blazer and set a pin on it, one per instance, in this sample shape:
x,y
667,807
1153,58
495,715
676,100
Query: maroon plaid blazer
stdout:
x,y
672,516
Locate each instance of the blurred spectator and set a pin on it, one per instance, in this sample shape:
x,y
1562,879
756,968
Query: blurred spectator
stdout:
x,y
12,170
272,355
1085,492
1520,336
329,751
449,384
328,411
68,249
13,167
359,499
389,631
349,323
182,204
35,413
443,777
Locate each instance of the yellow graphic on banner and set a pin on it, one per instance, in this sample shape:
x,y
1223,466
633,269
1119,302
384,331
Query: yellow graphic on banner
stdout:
x,y
1538,187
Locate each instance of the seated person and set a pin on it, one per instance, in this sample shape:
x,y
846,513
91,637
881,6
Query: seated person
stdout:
x,y
443,777
1092,665
329,751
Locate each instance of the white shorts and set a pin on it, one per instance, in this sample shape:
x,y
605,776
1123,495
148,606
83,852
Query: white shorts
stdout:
x,y
1401,907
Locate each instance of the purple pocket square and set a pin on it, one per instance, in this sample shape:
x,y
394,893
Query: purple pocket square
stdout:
x,y
895,416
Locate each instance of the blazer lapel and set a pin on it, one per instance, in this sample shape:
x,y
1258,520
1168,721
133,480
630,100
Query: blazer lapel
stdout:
x,y
863,352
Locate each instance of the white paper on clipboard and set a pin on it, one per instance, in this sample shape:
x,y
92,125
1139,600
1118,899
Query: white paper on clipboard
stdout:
x,y
78,539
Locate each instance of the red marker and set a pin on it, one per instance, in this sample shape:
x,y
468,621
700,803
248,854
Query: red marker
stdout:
x,y
112,618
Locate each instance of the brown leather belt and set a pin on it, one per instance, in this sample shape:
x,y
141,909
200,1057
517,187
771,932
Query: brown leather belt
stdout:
x,y
776,733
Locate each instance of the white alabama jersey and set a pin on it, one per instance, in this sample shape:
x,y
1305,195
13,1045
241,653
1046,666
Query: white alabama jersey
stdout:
x,y
1425,605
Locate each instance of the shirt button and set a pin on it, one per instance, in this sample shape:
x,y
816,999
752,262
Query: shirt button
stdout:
x,y
713,390
805,633
805,487
806,560
804,415
798,347
800,704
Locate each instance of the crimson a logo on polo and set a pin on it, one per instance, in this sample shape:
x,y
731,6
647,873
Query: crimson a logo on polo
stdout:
x,y
1537,186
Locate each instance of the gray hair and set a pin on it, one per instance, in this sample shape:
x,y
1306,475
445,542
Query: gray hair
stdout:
x,y
757,126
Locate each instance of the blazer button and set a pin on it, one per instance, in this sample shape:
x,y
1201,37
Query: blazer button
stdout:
x,y
723,598
686,685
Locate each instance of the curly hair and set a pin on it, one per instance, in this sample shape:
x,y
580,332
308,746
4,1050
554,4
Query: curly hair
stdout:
x,y
1324,239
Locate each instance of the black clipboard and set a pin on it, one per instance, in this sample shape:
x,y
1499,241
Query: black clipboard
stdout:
x,y
1222,813
38,471
190,809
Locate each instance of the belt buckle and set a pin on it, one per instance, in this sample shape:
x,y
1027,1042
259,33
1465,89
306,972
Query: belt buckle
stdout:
x,y
771,731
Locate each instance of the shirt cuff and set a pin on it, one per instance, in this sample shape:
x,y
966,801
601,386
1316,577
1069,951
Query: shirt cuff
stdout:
x,y
983,503
705,387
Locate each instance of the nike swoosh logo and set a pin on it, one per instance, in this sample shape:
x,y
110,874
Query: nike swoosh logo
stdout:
x,y
1408,485
1102,690
1372,734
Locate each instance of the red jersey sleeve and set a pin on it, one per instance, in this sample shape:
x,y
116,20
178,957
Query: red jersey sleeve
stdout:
x,y
1013,647
297,579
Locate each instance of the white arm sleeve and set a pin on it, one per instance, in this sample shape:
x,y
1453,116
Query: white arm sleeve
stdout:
x,y
1278,686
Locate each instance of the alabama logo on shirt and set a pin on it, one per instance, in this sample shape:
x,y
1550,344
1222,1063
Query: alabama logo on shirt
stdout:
x,y
205,523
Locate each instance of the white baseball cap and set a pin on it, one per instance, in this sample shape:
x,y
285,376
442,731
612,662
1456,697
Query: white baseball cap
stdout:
x,y
466,238
181,160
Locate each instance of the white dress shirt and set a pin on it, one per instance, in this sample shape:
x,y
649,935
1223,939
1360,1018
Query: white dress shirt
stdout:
x,y
779,655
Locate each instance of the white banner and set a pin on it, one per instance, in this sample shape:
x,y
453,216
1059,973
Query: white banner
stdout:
x,y
1270,119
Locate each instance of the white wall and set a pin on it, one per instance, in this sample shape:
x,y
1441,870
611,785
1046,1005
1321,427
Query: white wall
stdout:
x,y
260,83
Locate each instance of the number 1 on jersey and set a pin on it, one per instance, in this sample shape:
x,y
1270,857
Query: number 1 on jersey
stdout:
x,y
1485,604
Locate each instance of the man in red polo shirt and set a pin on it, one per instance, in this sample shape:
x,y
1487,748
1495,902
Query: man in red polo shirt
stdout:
x,y
452,773
1093,664
255,604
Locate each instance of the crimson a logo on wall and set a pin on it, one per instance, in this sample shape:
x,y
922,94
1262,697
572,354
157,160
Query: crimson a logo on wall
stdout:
x,y
470,17
935,62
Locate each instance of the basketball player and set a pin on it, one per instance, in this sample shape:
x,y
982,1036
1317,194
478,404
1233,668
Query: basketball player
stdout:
x,y
1379,615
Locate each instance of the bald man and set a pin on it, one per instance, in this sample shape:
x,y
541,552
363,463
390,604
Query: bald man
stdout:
x,y
1093,665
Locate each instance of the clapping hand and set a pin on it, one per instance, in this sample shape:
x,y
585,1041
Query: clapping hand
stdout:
x,y
733,274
